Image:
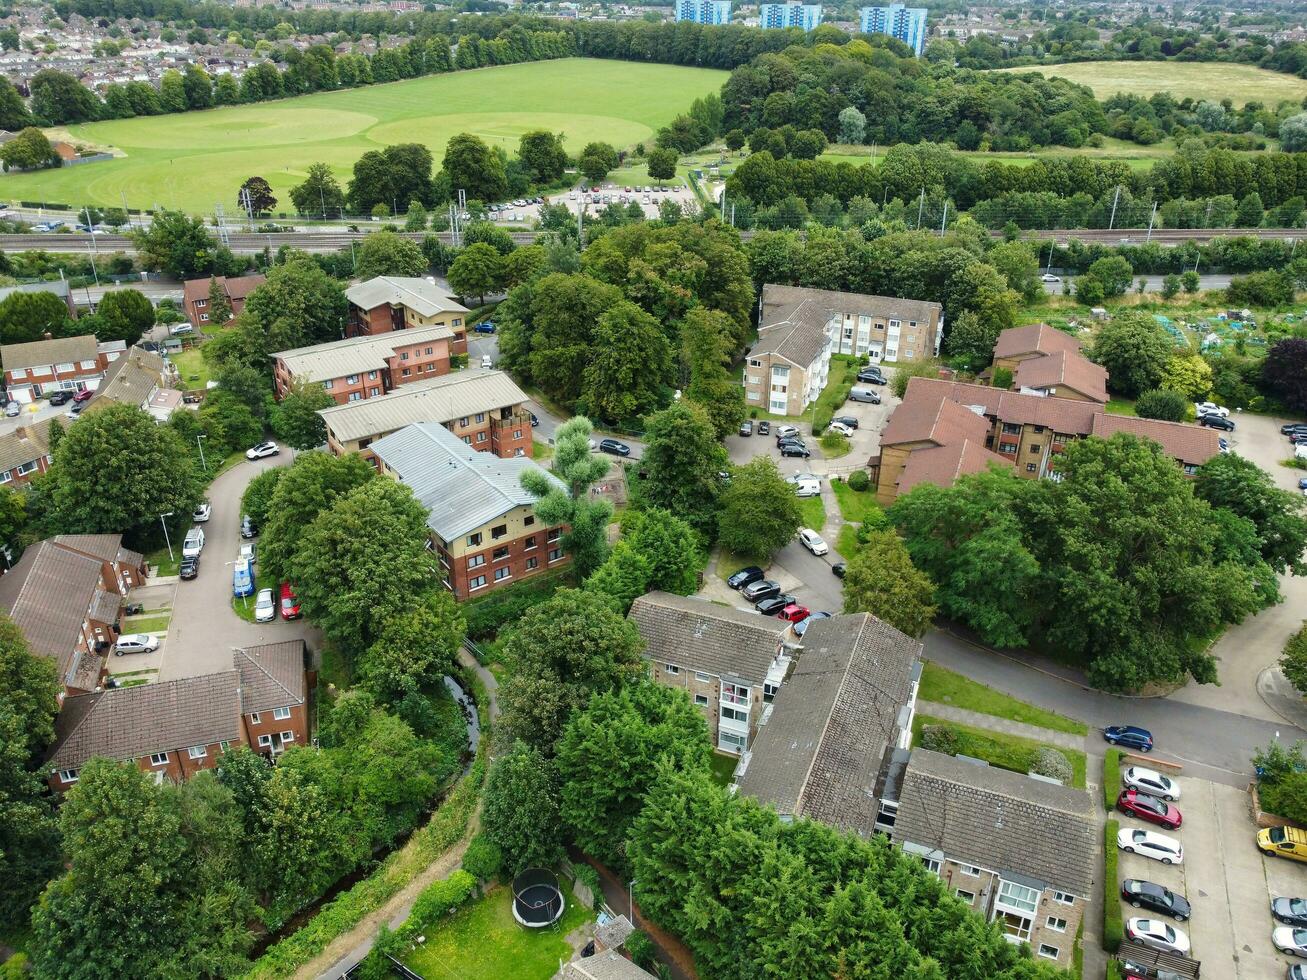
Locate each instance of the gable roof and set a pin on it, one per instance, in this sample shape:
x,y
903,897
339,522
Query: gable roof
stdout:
x,y
1070,370
1191,444
799,338
440,399
106,547
460,487
38,353
1069,416
271,675
1034,338
834,722
236,287
47,594
699,635
778,300
999,820
24,444
354,355
927,417
132,722
941,465
608,965
422,296
132,378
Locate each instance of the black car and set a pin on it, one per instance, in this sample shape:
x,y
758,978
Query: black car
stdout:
x,y
61,398
1290,911
847,420
770,607
1216,422
534,421
1155,898
838,569
1289,428
745,576
872,378
190,567
795,449
764,428
746,428
758,591
248,528
614,447
77,407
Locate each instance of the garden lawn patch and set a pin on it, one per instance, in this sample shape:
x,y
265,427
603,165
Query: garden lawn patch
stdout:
x,y
943,686
166,565
999,749
814,513
728,563
481,941
854,505
1214,81
146,624
846,542
723,768
192,368
1117,405
187,161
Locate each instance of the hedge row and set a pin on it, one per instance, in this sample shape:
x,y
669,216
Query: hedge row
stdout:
x,y
589,877
441,832
438,900
1111,777
1113,927
485,617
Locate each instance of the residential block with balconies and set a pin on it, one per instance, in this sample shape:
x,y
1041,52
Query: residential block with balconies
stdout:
x,y
367,367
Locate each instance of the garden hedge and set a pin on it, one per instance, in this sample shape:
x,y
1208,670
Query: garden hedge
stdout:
x,y
1113,927
1111,777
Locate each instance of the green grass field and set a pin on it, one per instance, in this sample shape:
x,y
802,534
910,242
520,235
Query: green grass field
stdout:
x,y
193,160
1215,81
1134,155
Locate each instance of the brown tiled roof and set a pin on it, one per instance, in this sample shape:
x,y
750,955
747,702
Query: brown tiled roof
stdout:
x,y
131,378
131,722
699,635
105,606
998,820
25,444
103,546
778,300
941,465
1065,415
1191,444
241,286
47,594
930,417
821,752
40,352
237,287
1063,369
272,675
1034,338
799,338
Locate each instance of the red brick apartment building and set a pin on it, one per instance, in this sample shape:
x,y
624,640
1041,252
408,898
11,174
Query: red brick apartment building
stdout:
x,y
482,522
482,407
61,364
65,594
195,295
389,303
177,728
367,367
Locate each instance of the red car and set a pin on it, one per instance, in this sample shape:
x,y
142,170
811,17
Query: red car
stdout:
x,y
290,603
1149,808
795,613
85,395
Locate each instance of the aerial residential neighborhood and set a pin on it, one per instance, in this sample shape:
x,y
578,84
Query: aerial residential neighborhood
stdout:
x,y
601,491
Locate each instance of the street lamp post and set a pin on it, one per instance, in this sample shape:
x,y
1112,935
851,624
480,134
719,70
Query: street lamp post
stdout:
x,y
198,441
166,539
630,899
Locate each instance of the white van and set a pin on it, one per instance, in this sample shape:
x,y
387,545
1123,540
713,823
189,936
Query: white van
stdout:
x,y
806,485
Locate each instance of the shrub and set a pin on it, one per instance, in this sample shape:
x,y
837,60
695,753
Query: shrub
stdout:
x,y
438,899
1260,289
1002,377
1293,661
483,859
834,444
940,738
859,481
1158,403
641,948
588,876
486,616
1113,928
14,968
1111,777
1053,764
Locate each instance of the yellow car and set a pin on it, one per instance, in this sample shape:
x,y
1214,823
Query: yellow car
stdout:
x,y
1286,842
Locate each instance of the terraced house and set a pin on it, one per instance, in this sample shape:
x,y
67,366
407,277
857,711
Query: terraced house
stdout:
x,y
61,364
1046,361
24,452
366,366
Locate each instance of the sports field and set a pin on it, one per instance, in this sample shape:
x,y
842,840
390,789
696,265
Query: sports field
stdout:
x,y
193,160
1212,80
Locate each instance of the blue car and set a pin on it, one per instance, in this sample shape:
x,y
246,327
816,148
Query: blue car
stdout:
x,y
485,326
1302,483
242,583
1129,736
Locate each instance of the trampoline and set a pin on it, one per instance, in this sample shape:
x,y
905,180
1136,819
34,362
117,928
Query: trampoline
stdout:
x,y
537,899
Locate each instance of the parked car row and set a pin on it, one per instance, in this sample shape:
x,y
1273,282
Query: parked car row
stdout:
x,y
766,595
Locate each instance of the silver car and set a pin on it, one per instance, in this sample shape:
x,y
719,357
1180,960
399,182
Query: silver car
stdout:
x,y
265,610
1151,782
136,643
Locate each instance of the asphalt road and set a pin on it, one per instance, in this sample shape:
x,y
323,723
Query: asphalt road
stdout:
x,y
1212,281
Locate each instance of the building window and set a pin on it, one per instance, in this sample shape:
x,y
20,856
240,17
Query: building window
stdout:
x,y
474,539
328,383
1062,898
769,692
68,775
931,865
351,379
481,417
281,714
403,356
1056,924
553,535
1031,468
428,352
197,752
528,520
735,694
462,423
1016,896
224,746
755,396
503,573
288,736
477,583
26,468
731,741
701,700
671,668
476,561
1048,952
499,554
406,372
372,375
532,563
498,531
1190,469
530,543
356,396
1007,447
254,717
1034,448
159,759
6,476
555,554
735,714
970,870
966,896
481,436
265,741
701,677
1011,430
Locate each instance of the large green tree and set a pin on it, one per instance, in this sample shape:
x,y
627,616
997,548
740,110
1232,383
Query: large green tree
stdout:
x,y
469,165
384,253
180,246
307,488
415,648
611,752
707,343
562,651
1239,485
683,463
477,270
125,314
520,813
299,305
296,420
25,317
392,176
29,150
1135,350
319,194
759,512
576,465
881,580
541,153
630,367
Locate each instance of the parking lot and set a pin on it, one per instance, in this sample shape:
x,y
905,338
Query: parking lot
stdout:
x,y
1226,879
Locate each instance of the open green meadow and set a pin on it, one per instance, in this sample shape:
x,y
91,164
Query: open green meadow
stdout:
x,y
193,160
1199,80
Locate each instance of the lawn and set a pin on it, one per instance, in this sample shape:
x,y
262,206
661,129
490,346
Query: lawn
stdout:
x,y
943,686
855,505
192,160
1239,83
165,564
192,368
814,513
723,768
846,542
146,624
999,749
481,941
1120,406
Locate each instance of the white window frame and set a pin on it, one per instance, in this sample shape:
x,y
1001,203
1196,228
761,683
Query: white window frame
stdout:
x,y
1064,898
287,737
69,776
701,700
197,752
1052,923
970,870
1051,955
265,741
479,582
159,758
504,573
966,896
254,717
281,714
672,668
702,678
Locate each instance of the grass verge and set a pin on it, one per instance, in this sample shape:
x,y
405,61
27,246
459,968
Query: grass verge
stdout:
x,y
1113,927
166,565
723,768
999,749
243,606
1111,778
846,542
855,505
814,513
146,624
943,686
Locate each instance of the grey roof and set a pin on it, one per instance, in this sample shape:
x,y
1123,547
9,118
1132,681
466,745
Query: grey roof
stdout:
x,y
47,594
609,965
440,399
39,353
999,820
131,722
422,296
272,675
777,301
614,932
699,635
24,444
799,338
355,355
58,286
131,378
105,606
461,488
106,547
834,722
